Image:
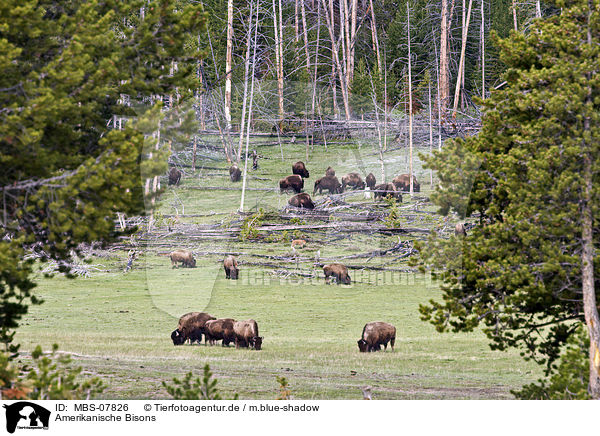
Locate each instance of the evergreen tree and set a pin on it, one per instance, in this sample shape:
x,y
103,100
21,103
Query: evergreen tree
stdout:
x,y
65,69
527,270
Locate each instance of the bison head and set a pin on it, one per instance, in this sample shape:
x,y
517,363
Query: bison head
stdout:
x,y
233,273
362,346
345,279
192,263
177,337
257,342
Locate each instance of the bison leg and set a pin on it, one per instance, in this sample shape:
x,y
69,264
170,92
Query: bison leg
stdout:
x,y
226,272
392,343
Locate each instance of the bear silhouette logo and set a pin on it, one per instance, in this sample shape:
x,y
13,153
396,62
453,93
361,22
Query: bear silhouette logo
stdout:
x,y
26,415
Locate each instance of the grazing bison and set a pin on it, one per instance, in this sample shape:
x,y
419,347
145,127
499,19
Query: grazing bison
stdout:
x,y
384,189
371,182
246,334
174,176
191,326
375,334
231,268
299,243
402,183
354,180
302,200
330,183
329,172
300,169
235,173
220,329
294,182
459,230
337,270
184,256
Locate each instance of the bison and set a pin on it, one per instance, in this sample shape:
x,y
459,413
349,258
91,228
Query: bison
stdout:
x,y
220,329
384,189
300,169
174,176
354,180
371,182
329,172
235,173
300,243
339,271
246,334
184,256
231,268
294,182
191,326
302,200
459,230
330,183
376,334
402,183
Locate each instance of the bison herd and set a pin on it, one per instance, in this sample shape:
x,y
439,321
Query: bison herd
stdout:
x,y
191,327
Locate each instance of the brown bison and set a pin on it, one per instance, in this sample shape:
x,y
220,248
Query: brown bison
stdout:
x,y
384,189
371,182
174,176
190,327
220,329
354,180
235,173
300,169
459,230
402,183
337,270
301,200
246,334
231,268
329,172
376,334
330,183
184,256
294,182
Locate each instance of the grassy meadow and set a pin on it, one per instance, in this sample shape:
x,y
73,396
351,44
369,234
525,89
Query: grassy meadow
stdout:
x,y
117,325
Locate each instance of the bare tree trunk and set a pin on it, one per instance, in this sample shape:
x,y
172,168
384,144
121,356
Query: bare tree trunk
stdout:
x,y
590,303
514,12
228,64
314,93
296,25
353,17
374,35
482,38
461,63
538,9
380,142
278,62
430,128
305,34
444,79
385,101
250,108
336,110
246,68
410,107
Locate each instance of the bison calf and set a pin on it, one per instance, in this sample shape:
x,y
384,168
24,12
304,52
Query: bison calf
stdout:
x,y
184,256
376,334
190,327
459,230
174,176
294,182
246,334
370,180
220,330
298,243
231,268
402,183
235,173
329,172
300,169
339,271
385,189
301,200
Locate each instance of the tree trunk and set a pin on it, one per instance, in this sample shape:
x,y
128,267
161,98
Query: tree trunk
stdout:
x,y
444,79
246,68
278,62
410,107
228,62
482,38
305,35
590,304
374,36
514,12
461,63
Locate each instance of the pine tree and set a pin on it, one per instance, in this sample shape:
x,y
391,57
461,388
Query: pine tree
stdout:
x,y
527,270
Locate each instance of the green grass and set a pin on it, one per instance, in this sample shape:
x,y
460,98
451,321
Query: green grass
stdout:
x,y
118,325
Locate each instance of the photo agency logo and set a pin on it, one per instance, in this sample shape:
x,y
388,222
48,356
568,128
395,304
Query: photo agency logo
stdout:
x,y
25,415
